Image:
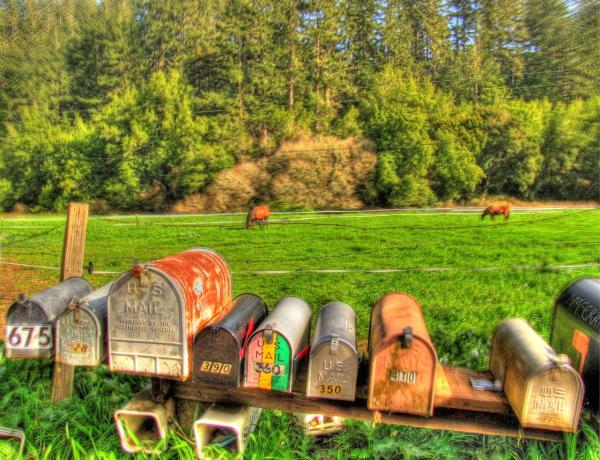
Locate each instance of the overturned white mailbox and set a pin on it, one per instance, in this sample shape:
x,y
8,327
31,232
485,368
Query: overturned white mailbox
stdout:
x,y
227,426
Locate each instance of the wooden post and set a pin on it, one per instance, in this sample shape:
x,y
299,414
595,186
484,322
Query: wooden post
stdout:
x,y
71,265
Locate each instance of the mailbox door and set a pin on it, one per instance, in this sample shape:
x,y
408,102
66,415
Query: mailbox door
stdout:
x,y
269,366
146,326
577,339
29,334
217,357
79,338
553,400
402,379
332,374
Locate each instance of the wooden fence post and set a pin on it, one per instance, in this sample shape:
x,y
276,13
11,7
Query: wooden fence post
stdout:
x,y
71,265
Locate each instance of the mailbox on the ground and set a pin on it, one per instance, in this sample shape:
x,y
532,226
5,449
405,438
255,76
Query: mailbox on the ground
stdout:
x,y
403,359
541,386
576,332
333,362
155,310
80,339
277,346
225,426
219,347
30,321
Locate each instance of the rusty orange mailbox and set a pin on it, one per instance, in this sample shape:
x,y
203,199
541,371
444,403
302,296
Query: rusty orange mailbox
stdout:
x,y
403,359
155,310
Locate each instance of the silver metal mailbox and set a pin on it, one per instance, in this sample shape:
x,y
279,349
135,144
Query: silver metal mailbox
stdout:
x,y
276,347
30,321
80,339
576,332
333,362
155,311
542,388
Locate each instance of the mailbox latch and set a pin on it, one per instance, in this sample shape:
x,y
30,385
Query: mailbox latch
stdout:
x,y
268,333
407,337
333,344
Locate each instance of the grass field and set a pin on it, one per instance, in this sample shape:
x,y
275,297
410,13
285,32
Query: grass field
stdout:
x,y
468,275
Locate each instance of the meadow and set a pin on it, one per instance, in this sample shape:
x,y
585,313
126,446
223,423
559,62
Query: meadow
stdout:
x,y
468,275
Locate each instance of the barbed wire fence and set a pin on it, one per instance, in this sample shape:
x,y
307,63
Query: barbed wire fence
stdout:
x,y
25,243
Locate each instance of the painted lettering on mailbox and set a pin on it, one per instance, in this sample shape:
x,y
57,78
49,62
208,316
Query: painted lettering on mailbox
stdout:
x,y
215,367
144,313
550,400
401,376
268,363
332,372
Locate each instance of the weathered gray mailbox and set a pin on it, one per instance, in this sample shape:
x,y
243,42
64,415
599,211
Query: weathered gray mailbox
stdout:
x,y
333,362
219,348
156,310
80,339
542,388
277,346
30,321
576,332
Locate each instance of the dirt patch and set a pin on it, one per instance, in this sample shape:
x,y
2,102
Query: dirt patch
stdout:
x,y
16,280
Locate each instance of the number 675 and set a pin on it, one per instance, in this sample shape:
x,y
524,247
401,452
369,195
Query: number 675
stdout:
x,y
29,337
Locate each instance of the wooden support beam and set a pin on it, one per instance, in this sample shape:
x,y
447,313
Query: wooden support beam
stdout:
x,y
457,406
71,265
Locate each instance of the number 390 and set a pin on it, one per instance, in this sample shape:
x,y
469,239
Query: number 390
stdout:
x,y
29,337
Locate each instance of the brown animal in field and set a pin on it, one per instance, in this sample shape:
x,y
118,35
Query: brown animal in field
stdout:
x,y
259,215
496,210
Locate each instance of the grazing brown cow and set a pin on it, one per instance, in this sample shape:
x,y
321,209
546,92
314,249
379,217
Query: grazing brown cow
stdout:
x,y
259,215
496,210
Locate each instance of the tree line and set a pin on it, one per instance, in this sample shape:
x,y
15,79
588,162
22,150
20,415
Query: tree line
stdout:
x,y
140,103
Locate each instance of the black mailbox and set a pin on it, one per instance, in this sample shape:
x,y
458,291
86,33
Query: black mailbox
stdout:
x,y
218,348
576,332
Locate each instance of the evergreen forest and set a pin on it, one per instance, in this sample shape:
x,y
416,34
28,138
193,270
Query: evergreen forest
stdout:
x,y
138,104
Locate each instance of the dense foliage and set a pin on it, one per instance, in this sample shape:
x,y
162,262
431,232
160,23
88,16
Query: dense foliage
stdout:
x,y
137,104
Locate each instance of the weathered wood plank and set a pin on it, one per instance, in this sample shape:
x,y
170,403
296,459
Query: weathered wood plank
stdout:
x,y
71,265
453,390
457,408
74,242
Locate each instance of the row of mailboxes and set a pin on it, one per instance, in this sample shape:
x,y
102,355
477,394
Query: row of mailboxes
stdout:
x,y
145,321
174,318
252,349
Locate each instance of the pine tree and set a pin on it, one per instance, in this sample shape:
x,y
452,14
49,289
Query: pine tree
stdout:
x,y
551,59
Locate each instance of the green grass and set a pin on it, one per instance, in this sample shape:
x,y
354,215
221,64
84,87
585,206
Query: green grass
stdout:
x,y
479,287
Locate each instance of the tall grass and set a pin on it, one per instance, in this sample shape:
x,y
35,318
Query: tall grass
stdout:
x,y
461,307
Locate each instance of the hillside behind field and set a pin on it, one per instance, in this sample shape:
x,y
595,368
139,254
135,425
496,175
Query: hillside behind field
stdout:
x,y
151,105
